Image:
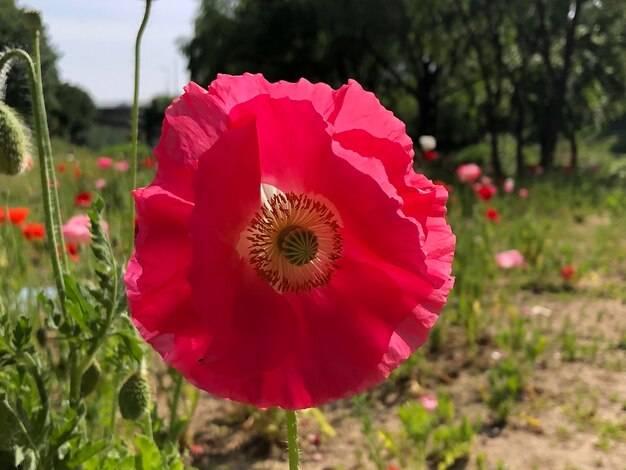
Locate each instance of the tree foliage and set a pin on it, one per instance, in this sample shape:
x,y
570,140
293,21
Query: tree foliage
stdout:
x,y
459,69
70,110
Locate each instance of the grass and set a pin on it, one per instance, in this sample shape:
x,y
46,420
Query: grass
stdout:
x,y
502,335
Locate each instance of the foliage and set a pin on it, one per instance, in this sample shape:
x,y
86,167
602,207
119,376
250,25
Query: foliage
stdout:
x,y
77,113
457,69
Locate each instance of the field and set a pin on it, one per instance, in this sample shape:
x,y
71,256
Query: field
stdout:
x,y
524,369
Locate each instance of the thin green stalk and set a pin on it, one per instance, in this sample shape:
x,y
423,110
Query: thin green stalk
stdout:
x,y
174,407
39,118
148,424
292,440
79,367
113,415
135,126
54,196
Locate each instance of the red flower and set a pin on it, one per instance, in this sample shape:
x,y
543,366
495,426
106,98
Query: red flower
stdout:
x,y
17,215
287,253
486,191
83,199
61,167
568,272
448,187
34,231
72,250
148,163
76,172
1,215
492,215
430,155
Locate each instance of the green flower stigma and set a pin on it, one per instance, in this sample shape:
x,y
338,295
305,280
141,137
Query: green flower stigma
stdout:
x,y
298,245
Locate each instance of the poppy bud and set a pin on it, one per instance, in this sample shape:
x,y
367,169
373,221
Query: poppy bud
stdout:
x,y
13,142
42,337
91,379
134,397
32,18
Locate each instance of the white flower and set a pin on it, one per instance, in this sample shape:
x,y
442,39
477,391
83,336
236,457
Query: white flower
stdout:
x,y
427,142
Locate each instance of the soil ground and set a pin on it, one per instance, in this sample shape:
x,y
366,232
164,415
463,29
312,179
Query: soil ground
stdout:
x,y
572,416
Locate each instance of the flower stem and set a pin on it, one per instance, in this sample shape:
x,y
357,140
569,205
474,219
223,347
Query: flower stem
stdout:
x,y
41,128
292,440
174,407
54,196
135,125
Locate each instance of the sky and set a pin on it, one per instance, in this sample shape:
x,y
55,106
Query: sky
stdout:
x,y
96,38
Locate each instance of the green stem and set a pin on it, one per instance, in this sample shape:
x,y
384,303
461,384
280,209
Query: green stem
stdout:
x,y
113,414
39,119
292,439
54,196
135,125
148,424
174,407
79,367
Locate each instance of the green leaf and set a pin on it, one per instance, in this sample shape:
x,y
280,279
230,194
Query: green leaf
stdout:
x,y
21,333
106,267
77,296
133,345
148,457
88,451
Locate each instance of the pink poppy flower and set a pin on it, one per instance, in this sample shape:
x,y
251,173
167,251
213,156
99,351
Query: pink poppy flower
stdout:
x,y
122,166
510,259
287,254
100,183
508,185
76,230
468,173
429,402
104,162
524,193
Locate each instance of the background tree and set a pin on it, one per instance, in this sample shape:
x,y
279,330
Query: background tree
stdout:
x,y
14,33
153,115
76,113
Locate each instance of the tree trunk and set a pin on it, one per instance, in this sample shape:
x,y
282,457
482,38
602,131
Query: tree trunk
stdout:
x,y
519,148
559,91
427,100
573,159
495,154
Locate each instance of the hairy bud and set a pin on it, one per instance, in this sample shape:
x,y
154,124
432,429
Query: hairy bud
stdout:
x,y
134,397
32,18
13,142
90,379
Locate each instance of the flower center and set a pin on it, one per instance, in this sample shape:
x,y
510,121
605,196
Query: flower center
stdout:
x,y
294,241
299,245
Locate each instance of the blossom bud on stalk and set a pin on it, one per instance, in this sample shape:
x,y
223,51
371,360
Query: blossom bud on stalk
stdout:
x,y
90,379
32,18
134,397
13,142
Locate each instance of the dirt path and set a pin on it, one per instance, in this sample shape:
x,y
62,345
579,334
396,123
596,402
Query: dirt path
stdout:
x,y
572,415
